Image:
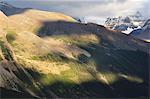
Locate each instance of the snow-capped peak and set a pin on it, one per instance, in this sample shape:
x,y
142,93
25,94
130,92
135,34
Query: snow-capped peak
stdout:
x,y
126,23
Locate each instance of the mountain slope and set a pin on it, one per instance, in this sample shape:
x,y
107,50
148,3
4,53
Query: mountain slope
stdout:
x,y
50,55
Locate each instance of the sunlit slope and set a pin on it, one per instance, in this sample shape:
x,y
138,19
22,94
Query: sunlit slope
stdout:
x,y
47,54
31,19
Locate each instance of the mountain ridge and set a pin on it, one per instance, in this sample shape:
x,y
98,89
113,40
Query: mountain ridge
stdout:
x,y
50,55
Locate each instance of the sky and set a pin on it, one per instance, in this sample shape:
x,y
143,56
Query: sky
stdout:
x,y
81,8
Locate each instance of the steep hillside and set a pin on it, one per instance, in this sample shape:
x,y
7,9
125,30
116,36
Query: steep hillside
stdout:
x,y
50,55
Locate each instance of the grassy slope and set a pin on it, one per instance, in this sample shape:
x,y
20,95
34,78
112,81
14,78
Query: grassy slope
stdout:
x,y
79,62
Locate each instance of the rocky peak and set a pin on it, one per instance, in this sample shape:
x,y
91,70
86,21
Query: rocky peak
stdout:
x,y
122,23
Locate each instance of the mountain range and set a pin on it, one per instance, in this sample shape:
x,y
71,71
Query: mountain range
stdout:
x,y
51,55
125,24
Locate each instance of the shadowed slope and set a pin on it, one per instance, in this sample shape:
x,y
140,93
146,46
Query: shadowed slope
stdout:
x,y
116,39
14,94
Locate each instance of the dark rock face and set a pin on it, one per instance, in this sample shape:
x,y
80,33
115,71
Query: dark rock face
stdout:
x,y
5,94
122,27
136,32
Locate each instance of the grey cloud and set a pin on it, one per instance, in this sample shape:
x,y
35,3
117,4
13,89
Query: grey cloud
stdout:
x,y
121,1
145,10
101,8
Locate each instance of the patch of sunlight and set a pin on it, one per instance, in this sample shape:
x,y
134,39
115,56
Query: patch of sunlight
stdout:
x,y
11,36
76,74
132,78
47,79
69,75
110,78
44,66
85,77
147,40
107,77
78,39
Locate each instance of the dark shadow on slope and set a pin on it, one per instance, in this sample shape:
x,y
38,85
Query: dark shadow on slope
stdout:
x,y
50,28
5,94
107,57
122,88
130,63
95,89
87,89
92,89
123,61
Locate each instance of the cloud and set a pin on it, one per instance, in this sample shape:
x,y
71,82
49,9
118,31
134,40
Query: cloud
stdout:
x,y
99,8
145,9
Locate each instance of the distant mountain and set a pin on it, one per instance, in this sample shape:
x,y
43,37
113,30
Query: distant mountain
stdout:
x,y
144,32
9,9
135,25
51,55
126,23
91,19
